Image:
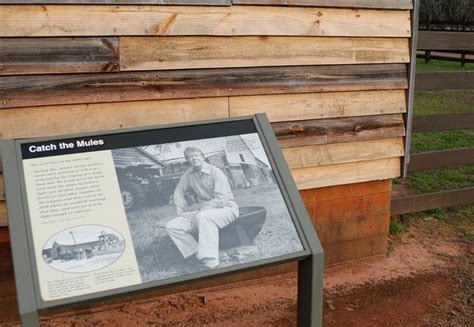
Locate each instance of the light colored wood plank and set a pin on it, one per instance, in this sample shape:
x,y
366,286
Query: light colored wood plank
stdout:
x,y
145,53
83,20
55,120
3,214
347,173
376,4
291,107
330,154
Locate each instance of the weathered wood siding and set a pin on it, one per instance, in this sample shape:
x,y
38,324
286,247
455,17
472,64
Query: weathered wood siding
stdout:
x,y
331,78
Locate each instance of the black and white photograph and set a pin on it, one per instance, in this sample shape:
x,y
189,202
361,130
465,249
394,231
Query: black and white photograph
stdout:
x,y
203,204
83,249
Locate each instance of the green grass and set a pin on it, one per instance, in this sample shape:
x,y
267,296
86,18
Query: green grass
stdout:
x,y
443,179
442,66
458,219
443,102
436,141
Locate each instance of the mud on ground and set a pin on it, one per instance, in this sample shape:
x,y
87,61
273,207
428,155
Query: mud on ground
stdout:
x,y
426,280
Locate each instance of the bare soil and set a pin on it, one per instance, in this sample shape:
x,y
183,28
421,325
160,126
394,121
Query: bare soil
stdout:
x,y
426,280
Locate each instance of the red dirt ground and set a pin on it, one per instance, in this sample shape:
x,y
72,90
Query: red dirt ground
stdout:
x,y
426,280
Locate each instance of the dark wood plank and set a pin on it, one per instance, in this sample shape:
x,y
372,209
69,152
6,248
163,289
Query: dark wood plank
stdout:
x,y
336,130
379,4
438,159
432,123
422,202
58,55
434,40
124,2
444,80
22,91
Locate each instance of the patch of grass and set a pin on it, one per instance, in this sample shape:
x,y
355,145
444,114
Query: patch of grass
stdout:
x,y
458,220
435,141
396,227
442,179
443,102
442,66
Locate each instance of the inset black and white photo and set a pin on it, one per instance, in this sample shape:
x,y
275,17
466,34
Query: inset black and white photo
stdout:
x,y
203,204
83,249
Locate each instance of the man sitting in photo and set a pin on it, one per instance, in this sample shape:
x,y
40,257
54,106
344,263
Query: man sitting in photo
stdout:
x,y
217,209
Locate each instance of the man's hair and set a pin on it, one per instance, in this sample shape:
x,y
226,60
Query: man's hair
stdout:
x,y
191,149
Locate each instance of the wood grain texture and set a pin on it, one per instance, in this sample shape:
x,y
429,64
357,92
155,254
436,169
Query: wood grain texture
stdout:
x,y
444,80
150,53
58,55
376,4
57,20
330,154
125,2
291,107
57,120
24,91
337,130
317,195
341,231
312,177
356,249
443,122
349,208
3,214
439,159
428,201
435,40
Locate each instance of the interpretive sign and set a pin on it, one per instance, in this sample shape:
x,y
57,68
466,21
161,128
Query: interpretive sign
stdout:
x,y
102,214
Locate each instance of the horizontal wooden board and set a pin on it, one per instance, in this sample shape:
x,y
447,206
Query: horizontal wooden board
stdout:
x,y
150,53
290,107
376,4
24,91
2,189
58,55
331,233
312,177
437,40
355,249
422,202
439,159
444,80
443,122
337,130
330,154
350,209
330,193
57,120
57,20
3,214
124,2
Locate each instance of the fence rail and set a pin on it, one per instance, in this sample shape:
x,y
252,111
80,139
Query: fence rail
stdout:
x,y
444,80
440,159
422,202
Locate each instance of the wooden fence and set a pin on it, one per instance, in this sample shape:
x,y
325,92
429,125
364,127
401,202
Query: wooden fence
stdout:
x,y
463,43
438,159
450,46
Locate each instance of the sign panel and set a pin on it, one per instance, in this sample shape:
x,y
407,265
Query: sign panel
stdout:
x,y
155,206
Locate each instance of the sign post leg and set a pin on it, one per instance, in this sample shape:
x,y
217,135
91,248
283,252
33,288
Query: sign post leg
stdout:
x,y
310,290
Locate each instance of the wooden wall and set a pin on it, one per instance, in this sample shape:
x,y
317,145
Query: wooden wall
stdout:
x,y
332,79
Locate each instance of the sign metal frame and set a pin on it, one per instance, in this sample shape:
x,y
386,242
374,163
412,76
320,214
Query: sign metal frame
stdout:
x,y
310,259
